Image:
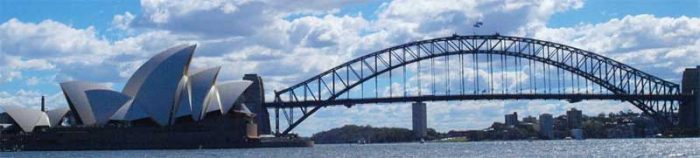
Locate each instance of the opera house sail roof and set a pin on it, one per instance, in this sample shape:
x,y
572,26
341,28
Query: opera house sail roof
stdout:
x,y
78,100
155,84
233,90
105,103
27,119
161,90
56,115
201,84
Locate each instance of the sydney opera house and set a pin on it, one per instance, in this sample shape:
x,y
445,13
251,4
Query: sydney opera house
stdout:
x,y
163,105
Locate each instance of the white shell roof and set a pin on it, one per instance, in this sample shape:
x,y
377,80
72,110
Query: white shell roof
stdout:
x,y
105,103
154,86
230,92
213,102
185,101
78,101
201,84
43,120
56,115
26,118
129,113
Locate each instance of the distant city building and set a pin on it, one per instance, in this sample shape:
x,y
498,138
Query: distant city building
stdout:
x,y
621,130
512,119
546,126
420,121
577,133
574,118
530,119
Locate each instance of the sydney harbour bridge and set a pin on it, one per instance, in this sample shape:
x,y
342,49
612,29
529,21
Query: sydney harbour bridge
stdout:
x,y
487,67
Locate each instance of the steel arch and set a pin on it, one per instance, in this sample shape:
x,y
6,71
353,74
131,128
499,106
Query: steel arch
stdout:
x,y
652,95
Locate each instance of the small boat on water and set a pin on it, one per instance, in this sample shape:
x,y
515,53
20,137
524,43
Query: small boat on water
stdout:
x,y
362,141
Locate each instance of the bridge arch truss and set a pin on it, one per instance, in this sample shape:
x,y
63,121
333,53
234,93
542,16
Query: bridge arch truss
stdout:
x,y
616,81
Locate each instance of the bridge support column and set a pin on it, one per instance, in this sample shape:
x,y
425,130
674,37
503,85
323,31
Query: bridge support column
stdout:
x,y
420,121
689,112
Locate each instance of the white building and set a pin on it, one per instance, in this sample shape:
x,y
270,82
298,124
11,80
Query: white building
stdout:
x,y
160,92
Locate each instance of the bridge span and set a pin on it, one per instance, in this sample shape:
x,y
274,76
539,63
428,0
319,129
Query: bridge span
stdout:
x,y
488,67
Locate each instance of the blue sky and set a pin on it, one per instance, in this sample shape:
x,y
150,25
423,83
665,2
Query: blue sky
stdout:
x,y
43,43
85,13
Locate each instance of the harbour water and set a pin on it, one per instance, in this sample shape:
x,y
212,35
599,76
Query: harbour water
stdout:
x,y
680,147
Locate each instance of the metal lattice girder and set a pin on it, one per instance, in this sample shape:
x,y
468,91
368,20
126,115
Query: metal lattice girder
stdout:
x,y
652,95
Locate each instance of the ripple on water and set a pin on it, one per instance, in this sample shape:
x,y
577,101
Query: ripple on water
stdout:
x,y
680,147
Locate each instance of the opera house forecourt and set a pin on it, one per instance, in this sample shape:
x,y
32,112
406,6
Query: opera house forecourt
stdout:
x,y
163,105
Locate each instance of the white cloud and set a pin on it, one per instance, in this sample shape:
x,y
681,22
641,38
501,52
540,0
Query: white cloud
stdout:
x,y
15,62
32,99
122,21
7,76
428,19
327,31
218,18
50,39
658,45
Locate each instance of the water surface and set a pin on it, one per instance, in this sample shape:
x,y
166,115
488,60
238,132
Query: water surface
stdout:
x,y
685,147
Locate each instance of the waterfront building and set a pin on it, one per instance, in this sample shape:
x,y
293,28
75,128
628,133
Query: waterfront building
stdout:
x,y
621,130
511,119
577,134
530,119
470,135
420,121
574,118
546,126
162,92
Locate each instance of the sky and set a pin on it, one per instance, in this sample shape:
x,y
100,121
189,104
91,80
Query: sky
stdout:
x,y
46,42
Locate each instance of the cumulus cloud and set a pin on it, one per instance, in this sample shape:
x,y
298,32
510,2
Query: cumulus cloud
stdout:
x,y
218,18
50,39
428,19
205,18
31,99
54,46
73,53
122,21
659,45
327,31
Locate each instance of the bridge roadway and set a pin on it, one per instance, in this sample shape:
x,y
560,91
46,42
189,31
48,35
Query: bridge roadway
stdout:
x,y
425,98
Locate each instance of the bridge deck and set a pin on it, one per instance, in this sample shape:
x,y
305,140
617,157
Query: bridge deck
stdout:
x,y
401,99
